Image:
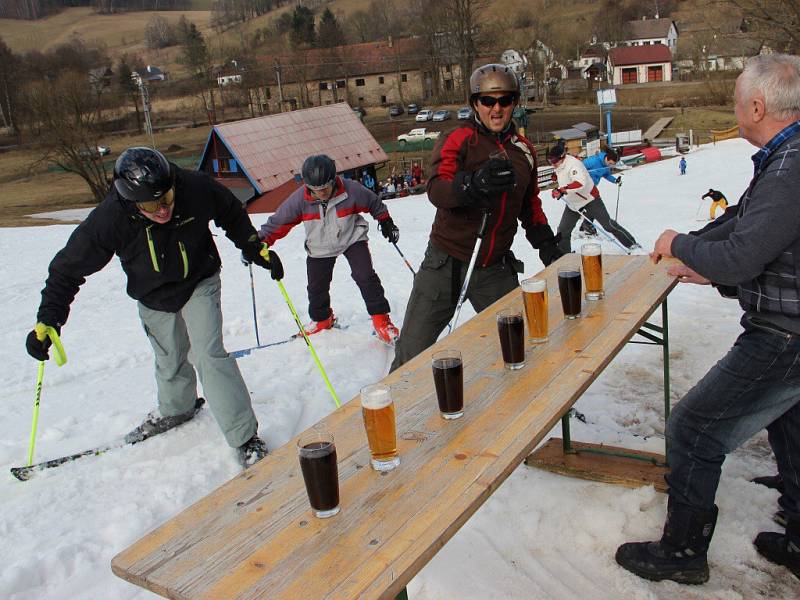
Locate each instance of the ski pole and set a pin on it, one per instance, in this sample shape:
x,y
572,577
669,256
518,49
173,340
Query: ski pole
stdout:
x,y
473,258
253,294
609,237
265,254
43,331
405,260
616,208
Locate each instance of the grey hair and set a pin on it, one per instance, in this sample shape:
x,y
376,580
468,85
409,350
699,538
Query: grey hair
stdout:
x,y
777,78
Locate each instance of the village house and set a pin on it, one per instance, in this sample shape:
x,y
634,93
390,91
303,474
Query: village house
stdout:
x,y
640,64
648,32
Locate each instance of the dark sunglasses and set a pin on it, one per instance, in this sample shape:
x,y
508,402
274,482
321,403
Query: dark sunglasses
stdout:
x,y
490,101
153,205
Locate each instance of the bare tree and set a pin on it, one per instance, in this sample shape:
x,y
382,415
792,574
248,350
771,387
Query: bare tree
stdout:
x,y
778,21
158,33
466,34
63,115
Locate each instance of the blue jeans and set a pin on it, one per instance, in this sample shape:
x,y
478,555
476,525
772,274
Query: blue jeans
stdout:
x,y
755,386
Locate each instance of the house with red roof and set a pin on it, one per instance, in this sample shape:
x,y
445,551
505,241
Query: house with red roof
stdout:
x,y
640,64
260,159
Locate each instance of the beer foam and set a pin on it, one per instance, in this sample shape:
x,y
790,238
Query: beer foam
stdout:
x,y
375,397
591,249
534,285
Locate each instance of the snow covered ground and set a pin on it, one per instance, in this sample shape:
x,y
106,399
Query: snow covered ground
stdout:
x,y
539,536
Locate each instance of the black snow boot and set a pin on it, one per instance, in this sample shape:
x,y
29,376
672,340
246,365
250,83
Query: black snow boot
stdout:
x,y
680,555
155,423
782,549
774,482
252,451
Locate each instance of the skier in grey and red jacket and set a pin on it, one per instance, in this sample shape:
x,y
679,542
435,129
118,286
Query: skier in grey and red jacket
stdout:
x,y
483,166
329,208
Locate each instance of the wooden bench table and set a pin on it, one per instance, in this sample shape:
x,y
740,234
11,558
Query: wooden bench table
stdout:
x,y
255,536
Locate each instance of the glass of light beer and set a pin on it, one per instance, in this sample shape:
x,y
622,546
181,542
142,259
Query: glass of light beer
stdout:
x,y
377,407
534,297
592,259
320,472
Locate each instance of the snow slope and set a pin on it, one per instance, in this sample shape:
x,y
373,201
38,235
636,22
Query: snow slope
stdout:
x,y
539,536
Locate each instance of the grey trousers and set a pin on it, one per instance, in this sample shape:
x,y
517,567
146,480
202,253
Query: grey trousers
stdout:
x,y
595,210
435,294
199,325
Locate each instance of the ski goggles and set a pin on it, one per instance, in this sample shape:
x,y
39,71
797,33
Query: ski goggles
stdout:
x,y
321,188
504,101
152,206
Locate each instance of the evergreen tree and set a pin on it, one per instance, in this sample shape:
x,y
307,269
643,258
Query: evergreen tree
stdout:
x,y
330,32
302,32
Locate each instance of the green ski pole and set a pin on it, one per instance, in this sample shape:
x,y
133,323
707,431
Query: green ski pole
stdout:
x,y
43,331
265,254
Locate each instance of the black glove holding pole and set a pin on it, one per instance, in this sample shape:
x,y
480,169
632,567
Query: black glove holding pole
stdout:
x,y
389,230
478,188
542,239
39,348
252,253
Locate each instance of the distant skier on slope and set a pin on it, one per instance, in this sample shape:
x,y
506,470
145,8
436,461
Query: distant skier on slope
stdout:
x,y
155,218
329,207
718,200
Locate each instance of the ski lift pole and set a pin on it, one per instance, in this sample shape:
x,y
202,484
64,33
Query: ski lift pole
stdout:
x,y
405,260
253,295
463,294
43,331
265,254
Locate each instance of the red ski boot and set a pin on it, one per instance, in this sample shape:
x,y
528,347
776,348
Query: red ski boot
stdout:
x,y
385,329
317,326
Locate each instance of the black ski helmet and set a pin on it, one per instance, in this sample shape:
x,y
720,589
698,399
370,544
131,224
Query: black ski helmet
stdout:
x,y
556,152
142,174
319,170
612,154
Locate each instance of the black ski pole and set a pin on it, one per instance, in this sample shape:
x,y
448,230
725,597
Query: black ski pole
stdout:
x,y
253,294
405,260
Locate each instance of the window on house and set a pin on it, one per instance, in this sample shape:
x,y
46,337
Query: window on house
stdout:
x,y
404,77
383,99
380,79
360,100
323,85
267,93
448,69
448,84
340,83
360,82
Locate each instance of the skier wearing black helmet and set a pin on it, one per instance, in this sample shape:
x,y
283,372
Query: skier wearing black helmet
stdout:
x,y
155,219
329,208
483,167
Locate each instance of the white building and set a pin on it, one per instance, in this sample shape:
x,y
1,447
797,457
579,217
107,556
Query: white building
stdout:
x,y
647,32
640,64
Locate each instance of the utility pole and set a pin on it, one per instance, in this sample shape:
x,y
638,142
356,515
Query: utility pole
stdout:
x,y
280,86
148,126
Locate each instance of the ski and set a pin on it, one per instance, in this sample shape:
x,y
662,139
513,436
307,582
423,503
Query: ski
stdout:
x,y
25,473
296,336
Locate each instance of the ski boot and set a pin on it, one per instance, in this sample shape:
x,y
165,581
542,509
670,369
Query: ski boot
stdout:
x,y
385,329
252,451
156,423
317,326
680,555
774,482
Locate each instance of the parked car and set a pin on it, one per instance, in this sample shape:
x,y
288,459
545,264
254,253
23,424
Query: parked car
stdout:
x,y
96,151
419,135
412,109
465,112
441,115
425,114
360,112
395,111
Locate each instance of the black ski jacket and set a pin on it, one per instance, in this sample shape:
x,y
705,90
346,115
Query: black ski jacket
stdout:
x,y
163,263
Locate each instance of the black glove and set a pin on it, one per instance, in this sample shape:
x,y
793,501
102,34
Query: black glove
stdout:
x,y
389,230
252,254
37,348
542,239
619,180
479,187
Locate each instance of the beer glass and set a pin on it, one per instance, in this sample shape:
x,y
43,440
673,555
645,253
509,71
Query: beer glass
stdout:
x,y
569,286
511,329
448,376
377,407
592,259
534,297
320,472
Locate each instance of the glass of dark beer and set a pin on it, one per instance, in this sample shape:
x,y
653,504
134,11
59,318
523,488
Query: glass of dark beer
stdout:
x,y
377,408
320,472
534,297
592,260
569,286
448,376
511,329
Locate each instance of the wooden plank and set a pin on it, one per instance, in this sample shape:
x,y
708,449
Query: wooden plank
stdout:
x,y
255,537
617,470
